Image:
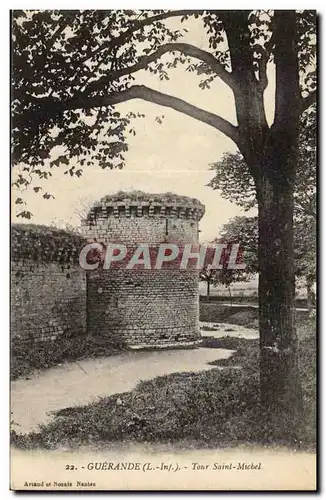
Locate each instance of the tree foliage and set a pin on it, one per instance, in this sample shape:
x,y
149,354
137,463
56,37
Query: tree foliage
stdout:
x,y
244,230
71,67
235,183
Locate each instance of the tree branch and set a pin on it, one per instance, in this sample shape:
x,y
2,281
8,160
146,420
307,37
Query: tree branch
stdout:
x,y
308,101
57,32
185,48
263,79
287,87
267,50
136,25
50,108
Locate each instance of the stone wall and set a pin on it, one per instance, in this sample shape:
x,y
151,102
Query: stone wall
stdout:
x,y
52,297
144,308
48,287
157,308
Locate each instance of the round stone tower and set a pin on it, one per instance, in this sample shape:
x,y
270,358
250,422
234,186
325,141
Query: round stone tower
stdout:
x,y
144,307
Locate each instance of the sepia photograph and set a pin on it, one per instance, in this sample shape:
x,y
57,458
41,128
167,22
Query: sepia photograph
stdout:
x,y
163,250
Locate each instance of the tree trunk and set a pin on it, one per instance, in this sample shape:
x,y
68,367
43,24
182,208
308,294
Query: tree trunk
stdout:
x,y
230,295
208,288
281,395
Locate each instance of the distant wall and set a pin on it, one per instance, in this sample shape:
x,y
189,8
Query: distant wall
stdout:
x,y
48,287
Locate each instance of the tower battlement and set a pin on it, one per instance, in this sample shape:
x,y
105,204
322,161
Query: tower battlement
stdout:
x,y
139,204
143,217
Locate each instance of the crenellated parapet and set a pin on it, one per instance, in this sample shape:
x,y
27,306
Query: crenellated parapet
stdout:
x,y
139,204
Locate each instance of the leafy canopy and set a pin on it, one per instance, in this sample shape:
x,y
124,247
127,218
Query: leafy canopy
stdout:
x,y
71,67
235,183
244,230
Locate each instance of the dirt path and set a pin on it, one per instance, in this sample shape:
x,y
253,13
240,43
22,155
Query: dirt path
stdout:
x,y
82,382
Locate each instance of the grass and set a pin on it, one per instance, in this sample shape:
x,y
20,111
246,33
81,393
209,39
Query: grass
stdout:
x,y
246,352
247,316
25,360
213,408
211,312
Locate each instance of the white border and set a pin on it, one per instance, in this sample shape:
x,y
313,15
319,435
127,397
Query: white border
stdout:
x,y
4,184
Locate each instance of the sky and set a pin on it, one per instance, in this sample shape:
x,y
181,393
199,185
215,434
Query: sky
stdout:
x,y
174,156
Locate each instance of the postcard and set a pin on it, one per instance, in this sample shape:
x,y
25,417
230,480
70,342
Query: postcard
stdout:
x,y
163,250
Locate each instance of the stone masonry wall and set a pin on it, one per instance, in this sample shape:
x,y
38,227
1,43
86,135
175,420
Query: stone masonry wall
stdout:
x,y
144,308
52,297
48,287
